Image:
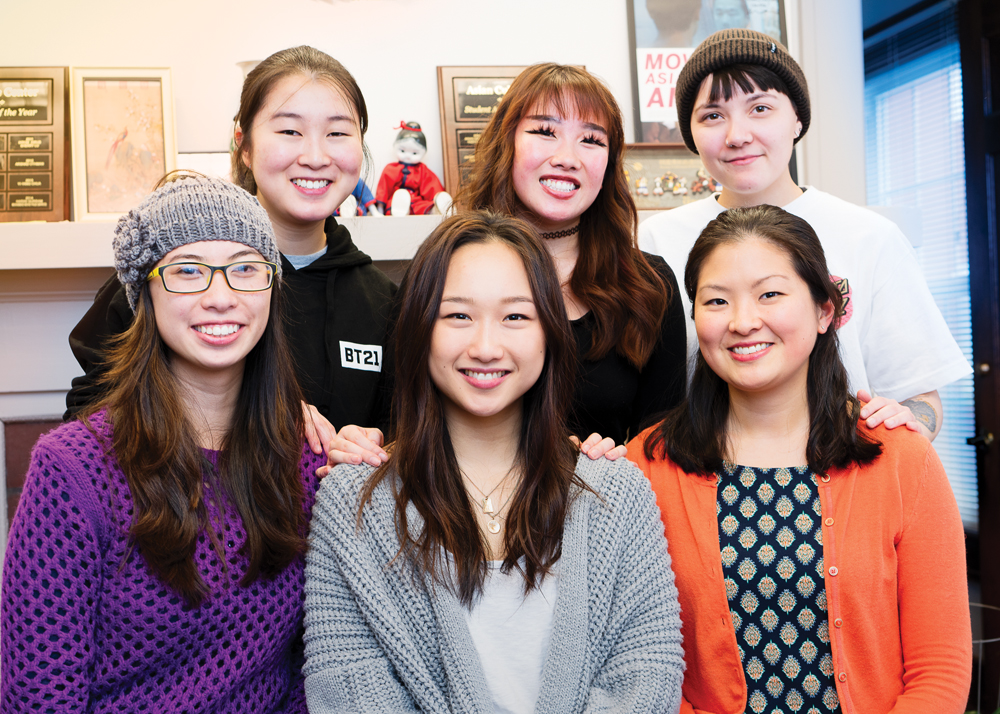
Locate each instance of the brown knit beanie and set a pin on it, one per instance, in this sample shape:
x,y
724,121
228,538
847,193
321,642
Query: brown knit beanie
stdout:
x,y
729,47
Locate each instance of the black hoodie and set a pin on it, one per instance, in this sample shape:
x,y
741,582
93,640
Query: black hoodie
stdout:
x,y
337,318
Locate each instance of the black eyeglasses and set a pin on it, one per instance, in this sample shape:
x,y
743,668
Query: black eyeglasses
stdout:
x,y
247,276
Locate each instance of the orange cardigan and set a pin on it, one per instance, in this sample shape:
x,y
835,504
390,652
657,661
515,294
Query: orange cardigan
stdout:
x,y
894,554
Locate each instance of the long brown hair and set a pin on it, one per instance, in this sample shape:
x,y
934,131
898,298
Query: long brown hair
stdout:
x,y
312,65
694,434
612,277
155,446
424,470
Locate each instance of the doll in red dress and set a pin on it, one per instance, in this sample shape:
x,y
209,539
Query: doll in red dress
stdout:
x,y
408,186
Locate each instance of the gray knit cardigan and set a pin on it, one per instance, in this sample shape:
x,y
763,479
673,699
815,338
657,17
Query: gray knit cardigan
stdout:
x,y
376,641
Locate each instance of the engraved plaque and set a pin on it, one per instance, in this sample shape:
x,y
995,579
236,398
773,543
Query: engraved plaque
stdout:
x,y
29,162
468,97
36,201
34,144
28,182
30,142
476,98
24,101
466,157
467,138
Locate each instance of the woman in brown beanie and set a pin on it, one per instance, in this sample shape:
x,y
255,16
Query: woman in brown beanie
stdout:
x,y
742,105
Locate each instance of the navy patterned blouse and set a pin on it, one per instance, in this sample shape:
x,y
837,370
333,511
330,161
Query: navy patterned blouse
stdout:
x,y
771,536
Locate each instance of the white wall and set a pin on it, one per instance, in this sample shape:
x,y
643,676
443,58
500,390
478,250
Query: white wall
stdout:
x,y
829,47
391,46
394,46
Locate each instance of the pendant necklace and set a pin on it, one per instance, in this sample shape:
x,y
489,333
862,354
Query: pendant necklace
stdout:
x,y
493,525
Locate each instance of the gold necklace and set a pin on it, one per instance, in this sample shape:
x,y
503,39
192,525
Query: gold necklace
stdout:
x,y
493,525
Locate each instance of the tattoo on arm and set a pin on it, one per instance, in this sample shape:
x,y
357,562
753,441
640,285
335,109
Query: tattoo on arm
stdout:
x,y
924,413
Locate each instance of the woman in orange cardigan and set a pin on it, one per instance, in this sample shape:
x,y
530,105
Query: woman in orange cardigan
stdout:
x,y
820,564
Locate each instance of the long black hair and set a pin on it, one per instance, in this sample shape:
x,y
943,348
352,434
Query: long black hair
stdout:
x,y
423,458
694,434
155,445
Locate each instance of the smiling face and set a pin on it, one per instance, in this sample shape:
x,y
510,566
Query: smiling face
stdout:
x,y
746,143
487,345
305,152
559,166
756,319
209,333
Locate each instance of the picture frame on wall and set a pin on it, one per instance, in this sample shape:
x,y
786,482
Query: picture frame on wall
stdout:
x,y
664,33
122,137
662,176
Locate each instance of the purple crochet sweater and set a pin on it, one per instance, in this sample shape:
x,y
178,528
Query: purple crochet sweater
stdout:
x,y
87,627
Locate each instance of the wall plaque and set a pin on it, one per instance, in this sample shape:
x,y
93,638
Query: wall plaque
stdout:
x,y
34,144
468,97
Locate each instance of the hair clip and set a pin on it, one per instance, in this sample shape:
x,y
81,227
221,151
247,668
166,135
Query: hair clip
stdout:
x,y
774,47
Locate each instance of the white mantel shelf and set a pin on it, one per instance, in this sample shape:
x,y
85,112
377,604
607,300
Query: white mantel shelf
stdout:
x,y
79,244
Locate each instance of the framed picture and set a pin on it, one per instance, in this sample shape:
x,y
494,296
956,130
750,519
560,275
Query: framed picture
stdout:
x,y
123,138
666,176
662,35
468,97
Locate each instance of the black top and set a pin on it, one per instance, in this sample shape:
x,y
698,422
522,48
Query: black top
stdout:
x,y
337,321
615,399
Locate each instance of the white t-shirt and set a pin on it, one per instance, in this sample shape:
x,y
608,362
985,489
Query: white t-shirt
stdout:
x,y
894,340
511,634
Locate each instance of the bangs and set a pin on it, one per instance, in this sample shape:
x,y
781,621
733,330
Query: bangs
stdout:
x,y
749,78
571,98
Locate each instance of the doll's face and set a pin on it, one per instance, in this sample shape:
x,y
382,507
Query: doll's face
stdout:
x,y
409,151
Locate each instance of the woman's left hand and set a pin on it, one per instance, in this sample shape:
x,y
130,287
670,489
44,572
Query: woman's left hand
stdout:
x,y
319,431
595,447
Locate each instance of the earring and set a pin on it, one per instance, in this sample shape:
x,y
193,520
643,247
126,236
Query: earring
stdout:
x,y
798,130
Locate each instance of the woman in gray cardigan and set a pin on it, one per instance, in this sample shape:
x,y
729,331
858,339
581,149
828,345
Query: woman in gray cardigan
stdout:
x,y
487,567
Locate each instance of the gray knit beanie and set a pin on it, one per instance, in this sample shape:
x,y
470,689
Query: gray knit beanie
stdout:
x,y
188,210
729,47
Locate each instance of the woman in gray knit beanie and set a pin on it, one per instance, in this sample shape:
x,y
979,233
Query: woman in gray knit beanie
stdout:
x,y
174,511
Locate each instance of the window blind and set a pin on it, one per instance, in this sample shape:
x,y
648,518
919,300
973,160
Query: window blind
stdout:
x,y
915,160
